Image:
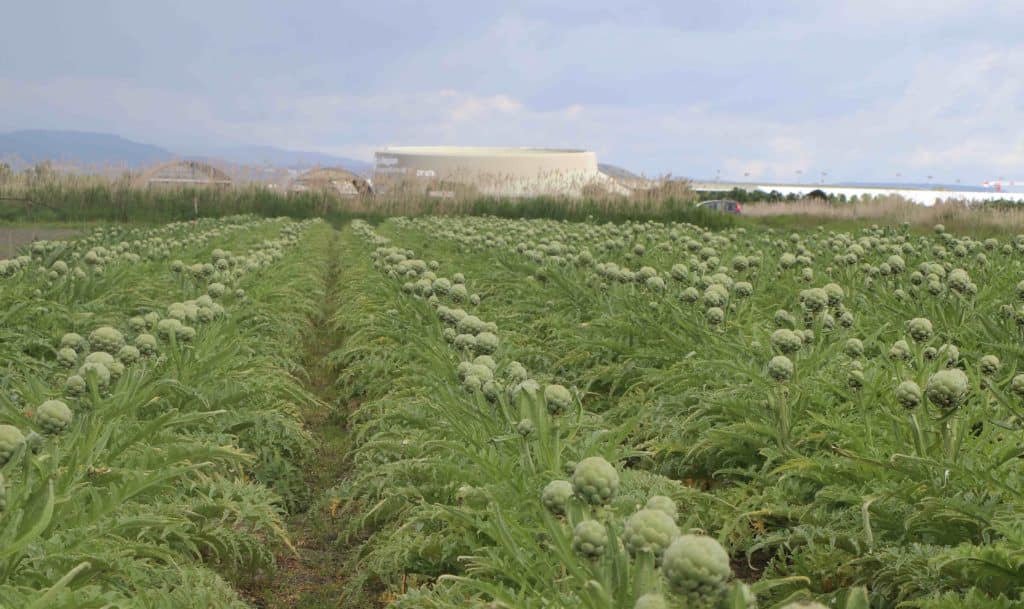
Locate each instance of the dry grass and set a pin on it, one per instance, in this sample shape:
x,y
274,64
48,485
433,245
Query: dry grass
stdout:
x,y
49,195
955,214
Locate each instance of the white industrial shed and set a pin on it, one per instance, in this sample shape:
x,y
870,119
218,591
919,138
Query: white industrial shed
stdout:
x,y
512,172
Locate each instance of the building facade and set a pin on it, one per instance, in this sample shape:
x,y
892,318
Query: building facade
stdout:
x,y
512,172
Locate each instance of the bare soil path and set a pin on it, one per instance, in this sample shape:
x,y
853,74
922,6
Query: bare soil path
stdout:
x,y
315,577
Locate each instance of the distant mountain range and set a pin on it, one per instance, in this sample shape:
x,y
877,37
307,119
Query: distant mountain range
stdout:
x,y
105,150
278,157
34,146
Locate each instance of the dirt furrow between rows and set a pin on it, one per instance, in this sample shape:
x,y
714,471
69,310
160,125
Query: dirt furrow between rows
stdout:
x,y
314,575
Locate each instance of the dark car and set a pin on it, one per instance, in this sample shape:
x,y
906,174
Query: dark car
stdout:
x,y
726,206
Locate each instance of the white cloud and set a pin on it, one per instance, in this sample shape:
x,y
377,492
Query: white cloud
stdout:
x,y
471,108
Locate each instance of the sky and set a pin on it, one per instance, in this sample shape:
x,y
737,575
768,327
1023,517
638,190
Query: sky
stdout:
x,y
861,90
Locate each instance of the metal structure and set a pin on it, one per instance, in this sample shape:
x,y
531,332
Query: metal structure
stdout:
x,y
183,174
514,172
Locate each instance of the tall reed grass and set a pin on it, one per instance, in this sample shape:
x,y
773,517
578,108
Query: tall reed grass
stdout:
x,y
956,215
76,199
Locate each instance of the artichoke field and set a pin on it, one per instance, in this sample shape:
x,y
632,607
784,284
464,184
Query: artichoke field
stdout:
x,y
538,414
657,415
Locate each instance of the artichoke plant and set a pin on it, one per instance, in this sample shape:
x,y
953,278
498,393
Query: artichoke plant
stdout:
x,y
67,357
53,416
908,394
948,388
595,480
557,398
75,385
556,496
853,348
146,344
920,329
1017,385
486,342
786,341
106,338
989,365
649,530
11,439
900,350
96,372
590,538
697,568
74,341
780,368
664,504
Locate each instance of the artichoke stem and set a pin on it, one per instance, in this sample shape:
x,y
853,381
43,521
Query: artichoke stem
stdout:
x,y
644,580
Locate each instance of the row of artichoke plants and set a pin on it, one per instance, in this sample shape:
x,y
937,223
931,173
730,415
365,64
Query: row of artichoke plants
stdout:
x,y
94,253
134,486
497,438
36,308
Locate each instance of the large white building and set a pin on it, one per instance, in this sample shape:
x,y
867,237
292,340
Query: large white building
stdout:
x,y
512,172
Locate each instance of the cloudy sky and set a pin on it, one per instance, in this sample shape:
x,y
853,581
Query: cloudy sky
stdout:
x,y
862,90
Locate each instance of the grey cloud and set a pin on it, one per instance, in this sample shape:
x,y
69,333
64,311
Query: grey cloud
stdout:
x,y
860,89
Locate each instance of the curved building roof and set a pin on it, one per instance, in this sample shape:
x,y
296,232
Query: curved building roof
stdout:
x,y
481,151
183,173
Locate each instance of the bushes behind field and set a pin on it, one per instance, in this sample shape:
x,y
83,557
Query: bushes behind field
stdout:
x,y
71,201
61,202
